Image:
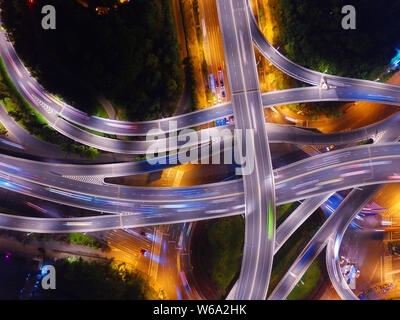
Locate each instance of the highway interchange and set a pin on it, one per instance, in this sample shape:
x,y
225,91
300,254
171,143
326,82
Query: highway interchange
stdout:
x,y
255,196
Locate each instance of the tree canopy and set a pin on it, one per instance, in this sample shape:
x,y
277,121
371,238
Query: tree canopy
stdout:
x,y
313,35
129,54
80,279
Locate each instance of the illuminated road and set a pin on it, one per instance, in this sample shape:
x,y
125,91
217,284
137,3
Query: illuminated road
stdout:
x,y
346,211
331,233
258,183
313,179
55,111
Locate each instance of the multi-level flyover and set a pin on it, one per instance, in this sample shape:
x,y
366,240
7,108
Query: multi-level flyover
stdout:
x,y
255,195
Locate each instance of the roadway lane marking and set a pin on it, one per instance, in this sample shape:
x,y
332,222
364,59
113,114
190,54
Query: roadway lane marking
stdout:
x,y
249,116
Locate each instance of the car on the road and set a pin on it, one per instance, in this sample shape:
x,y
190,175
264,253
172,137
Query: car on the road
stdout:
x,y
143,251
221,76
212,83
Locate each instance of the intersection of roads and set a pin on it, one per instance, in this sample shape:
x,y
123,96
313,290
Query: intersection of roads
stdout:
x,y
255,196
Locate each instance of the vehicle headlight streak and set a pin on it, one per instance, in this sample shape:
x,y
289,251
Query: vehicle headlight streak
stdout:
x,y
329,182
12,144
77,224
71,195
14,186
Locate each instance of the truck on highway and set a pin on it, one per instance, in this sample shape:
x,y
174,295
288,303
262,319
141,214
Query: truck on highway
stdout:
x,y
212,83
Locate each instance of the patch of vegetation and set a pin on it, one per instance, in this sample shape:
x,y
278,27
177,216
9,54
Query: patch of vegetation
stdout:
x,y
70,238
313,110
130,54
284,210
307,283
387,76
188,61
196,11
3,130
313,36
82,280
101,112
141,157
82,239
199,31
222,247
361,143
82,150
191,82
